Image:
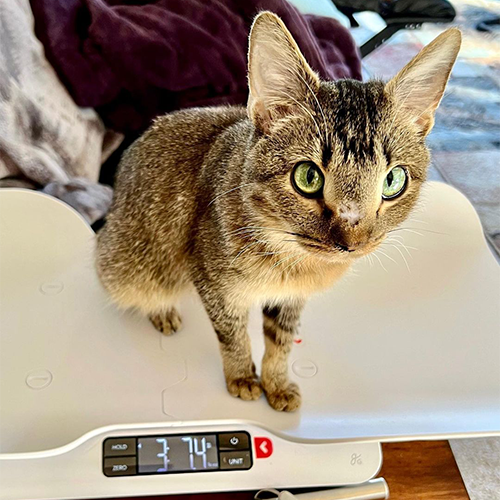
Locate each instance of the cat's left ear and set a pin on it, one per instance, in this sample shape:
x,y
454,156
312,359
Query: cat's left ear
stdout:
x,y
419,87
280,80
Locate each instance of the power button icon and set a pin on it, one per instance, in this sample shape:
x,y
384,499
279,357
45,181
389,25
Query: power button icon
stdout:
x,y
234,441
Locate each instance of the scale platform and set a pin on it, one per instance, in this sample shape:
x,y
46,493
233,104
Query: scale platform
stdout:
x,y
91,397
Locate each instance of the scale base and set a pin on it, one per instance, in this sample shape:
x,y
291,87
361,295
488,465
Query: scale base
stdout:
x,y
386,355
74,471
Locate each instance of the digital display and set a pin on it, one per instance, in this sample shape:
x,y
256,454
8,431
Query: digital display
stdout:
x,y
177,453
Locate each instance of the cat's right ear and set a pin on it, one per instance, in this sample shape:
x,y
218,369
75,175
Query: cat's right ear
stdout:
x,y
280,80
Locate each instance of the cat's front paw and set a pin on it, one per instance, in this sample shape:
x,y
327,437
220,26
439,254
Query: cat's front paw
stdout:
x,y
287,399
167,322
246,388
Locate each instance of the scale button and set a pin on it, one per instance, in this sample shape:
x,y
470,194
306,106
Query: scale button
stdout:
x,y
263,447
235,460
234,441
118,447
120,466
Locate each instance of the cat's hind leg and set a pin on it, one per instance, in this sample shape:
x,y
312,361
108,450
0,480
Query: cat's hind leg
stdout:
x,y
160,306
156,302
167,321
137,279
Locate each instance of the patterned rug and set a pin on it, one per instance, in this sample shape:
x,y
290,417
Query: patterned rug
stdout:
x,y
465,141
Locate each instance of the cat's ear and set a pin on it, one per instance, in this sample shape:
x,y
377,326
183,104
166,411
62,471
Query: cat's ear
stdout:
x,y
419,86
280,80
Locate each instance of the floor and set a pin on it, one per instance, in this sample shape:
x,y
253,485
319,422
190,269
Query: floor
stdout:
x,y
465,142
422,470
479,463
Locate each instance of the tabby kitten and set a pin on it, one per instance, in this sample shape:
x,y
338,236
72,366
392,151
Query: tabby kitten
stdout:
x,y
271,203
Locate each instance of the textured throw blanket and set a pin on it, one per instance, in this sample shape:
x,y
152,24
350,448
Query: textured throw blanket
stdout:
x,y
135,59
46,141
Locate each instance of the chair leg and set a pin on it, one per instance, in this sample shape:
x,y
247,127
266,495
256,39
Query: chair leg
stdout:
x,y
379,38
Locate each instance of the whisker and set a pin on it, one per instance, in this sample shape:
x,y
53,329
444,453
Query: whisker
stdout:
x,y
378,258
293,264
268,274
426,230
368,259
271,253
258,227
409,230
229,191
242,251
385,255
282,260
395,236
404,258
405,247
419,221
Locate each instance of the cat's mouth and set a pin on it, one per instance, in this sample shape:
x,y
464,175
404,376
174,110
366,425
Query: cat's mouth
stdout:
x,y
337,250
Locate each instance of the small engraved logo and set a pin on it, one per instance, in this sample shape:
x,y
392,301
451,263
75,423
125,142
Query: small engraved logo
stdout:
x,y
356,459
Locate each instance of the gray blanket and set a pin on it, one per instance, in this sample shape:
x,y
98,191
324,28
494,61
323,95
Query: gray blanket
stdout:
x,y
46,141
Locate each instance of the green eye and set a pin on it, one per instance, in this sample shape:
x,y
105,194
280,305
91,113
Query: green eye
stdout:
x,y
394,183
308,179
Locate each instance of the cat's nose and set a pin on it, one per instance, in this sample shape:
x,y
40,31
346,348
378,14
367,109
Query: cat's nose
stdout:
x,y
349,212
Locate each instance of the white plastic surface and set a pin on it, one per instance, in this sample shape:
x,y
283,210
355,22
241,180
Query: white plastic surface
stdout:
x,y
393,354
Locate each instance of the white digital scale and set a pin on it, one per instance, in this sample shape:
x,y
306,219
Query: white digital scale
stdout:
x,y
96,403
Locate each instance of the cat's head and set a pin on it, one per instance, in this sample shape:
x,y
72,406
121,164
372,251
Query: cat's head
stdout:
x,y
338,164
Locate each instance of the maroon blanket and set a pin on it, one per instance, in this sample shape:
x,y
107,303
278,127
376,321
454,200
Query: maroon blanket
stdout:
x,y
135,59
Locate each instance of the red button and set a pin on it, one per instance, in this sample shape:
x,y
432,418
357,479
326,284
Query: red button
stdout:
x,y
263,447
